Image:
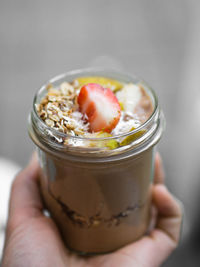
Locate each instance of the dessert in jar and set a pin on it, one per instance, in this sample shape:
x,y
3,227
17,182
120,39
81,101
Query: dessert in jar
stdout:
x,y
96,132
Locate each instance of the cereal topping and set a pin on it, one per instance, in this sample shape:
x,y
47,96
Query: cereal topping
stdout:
x,y
59,110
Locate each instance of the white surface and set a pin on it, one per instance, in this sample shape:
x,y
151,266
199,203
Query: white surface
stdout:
x,y
8,170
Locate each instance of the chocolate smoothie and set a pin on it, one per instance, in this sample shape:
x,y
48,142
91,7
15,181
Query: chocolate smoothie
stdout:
x,y
96,174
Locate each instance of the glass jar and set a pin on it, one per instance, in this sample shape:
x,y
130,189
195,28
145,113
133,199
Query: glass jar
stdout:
x,y
99,196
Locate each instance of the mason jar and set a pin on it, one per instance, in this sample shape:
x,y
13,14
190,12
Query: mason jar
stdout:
x,y
99,198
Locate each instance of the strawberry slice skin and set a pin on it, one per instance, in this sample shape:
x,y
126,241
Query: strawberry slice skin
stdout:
x,y
101,107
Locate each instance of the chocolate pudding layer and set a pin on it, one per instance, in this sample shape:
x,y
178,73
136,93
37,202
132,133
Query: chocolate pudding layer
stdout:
x,y
98,207
96,184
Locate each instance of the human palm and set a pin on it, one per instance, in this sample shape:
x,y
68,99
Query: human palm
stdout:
x,y
33,240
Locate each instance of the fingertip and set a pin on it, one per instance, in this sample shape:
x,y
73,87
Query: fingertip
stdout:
x,y
30,172
33,167
165,202
33,159
160,193
159,175
161,188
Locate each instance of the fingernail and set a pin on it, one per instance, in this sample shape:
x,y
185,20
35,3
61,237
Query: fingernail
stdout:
x,y
33,158
163,188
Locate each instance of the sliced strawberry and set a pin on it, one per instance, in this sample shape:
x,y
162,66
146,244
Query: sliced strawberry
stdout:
x,y
101,107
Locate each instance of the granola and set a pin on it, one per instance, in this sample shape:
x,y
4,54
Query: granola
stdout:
x,y
59,110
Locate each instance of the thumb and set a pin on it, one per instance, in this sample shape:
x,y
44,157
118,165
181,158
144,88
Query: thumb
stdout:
x,y
25,201
170,211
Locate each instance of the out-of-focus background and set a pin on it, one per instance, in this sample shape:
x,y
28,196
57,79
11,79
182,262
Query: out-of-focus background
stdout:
x,y
156,40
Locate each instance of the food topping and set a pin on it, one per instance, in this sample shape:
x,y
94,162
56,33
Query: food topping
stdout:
x,y
101,107
105,82
96,107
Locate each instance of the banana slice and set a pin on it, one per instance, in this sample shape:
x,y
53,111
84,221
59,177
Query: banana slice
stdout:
x,y
129,96
105,82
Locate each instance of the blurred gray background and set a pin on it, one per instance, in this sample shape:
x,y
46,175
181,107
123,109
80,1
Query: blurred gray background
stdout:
x,y
156,40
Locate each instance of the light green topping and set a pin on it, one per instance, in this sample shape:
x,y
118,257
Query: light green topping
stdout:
x,y
112,144
129,139
121,105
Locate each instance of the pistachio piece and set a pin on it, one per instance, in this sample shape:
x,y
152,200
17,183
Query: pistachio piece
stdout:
x,y
129,139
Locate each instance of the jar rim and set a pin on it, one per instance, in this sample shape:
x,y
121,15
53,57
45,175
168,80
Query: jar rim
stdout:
x,y
96,71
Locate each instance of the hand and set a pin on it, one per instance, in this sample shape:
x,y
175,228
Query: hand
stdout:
x,y
33,240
